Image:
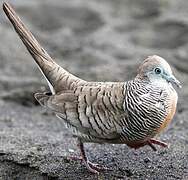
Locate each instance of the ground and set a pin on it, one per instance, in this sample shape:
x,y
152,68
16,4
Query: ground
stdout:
x,y
100,41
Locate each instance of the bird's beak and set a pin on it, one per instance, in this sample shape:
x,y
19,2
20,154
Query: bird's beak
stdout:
x,y
173,80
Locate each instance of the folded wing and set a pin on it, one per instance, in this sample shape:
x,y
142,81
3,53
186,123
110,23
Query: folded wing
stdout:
x,y
94,110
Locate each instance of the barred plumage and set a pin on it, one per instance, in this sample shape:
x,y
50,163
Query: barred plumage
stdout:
x,y
130,112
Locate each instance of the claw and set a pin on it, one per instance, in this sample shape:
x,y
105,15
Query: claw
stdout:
x,y
91,167
98,167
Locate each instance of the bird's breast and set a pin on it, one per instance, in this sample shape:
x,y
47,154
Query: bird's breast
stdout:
x,y
171,102
150,109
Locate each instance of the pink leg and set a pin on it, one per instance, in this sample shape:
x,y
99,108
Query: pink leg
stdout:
x,y
151,143
152,146
158,142
94,168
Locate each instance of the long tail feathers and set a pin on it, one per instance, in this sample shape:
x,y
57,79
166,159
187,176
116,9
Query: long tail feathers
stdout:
x,y
58,79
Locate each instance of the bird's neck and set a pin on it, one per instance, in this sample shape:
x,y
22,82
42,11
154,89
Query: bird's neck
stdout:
x,y
142,80
152,81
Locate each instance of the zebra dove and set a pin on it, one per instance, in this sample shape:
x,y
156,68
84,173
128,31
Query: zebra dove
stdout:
x,y
131,112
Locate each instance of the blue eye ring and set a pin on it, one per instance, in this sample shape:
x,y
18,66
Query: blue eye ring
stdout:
x,y
157,70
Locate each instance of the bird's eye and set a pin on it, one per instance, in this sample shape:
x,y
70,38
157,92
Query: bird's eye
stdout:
x,y
157,70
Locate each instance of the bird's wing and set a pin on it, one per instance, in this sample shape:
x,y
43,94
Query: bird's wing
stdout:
x,y
96,110
57,77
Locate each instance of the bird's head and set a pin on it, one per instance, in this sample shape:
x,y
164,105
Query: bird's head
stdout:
x,y
156,69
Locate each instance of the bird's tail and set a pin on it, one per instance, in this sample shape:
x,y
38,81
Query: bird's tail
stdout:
x,y
58,79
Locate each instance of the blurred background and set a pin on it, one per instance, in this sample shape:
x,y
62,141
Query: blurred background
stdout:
x,y
96,40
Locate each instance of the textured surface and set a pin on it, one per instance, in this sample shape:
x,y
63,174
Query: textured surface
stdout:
x,y
89,39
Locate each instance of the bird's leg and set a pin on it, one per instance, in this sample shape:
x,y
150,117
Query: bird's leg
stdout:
x,y
152,146
158,142
94,168
151,143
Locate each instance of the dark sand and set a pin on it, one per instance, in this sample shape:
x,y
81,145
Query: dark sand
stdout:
x,y
90,38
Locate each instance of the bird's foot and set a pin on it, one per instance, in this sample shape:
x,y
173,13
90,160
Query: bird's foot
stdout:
x,y
92,167
95,168
158,142
151,143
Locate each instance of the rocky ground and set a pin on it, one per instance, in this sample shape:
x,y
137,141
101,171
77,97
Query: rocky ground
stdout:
x,y
96,40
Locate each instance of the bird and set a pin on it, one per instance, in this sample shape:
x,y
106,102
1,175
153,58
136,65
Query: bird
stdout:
x,y
133,112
